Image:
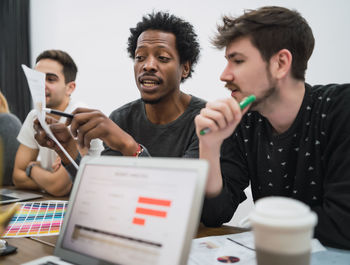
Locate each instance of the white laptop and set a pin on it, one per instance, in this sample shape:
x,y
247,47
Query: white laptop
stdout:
x,y
9,195
126,210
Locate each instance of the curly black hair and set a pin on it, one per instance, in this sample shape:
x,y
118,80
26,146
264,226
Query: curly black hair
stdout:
x,y
187,43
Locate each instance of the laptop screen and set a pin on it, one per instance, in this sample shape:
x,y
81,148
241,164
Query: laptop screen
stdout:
x,y
131,215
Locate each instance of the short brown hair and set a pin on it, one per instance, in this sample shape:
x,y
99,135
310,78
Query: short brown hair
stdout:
x,y
271,29
69,67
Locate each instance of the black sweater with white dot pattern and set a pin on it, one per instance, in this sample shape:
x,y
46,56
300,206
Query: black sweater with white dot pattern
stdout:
x,y
309,162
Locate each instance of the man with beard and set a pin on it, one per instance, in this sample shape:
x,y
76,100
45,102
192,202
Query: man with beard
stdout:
x,y
293,141
38,167
164,49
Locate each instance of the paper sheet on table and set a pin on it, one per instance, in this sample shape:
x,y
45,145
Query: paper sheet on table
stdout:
x,y
207,250
36,83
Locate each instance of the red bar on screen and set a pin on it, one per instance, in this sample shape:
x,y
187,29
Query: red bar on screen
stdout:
x,y
154,201
138,221
150,212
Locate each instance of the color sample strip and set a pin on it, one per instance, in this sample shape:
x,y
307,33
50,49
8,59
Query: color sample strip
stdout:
x,y
42,218
154,201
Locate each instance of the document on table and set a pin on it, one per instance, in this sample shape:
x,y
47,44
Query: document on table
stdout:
x,y
229,249
36,82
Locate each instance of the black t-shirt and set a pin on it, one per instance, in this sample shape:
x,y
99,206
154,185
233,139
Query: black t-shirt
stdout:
x,y
175,139
309,162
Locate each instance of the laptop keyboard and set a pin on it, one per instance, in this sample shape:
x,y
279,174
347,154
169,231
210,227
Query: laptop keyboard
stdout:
x,y
4,198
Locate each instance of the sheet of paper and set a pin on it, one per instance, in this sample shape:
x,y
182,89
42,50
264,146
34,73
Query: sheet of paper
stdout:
x,y
209,250
36,83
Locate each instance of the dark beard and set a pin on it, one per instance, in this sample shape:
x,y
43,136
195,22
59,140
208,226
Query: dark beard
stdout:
x,y
152,102
268,93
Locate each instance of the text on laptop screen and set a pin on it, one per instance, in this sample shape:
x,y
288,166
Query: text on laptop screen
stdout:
x,y
130,215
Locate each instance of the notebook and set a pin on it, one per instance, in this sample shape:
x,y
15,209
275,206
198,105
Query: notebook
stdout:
x,y
126,210
9,196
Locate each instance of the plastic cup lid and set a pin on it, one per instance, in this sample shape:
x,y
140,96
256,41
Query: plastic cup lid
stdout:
x,y
282,211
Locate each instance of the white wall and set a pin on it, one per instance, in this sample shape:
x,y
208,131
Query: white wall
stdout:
x,y
95,33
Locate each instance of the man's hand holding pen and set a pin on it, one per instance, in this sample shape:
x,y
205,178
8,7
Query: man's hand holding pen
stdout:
x,y
85,125
219,118
89,124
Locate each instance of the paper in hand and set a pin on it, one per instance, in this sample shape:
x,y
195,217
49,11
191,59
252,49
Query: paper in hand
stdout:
x,y
36,82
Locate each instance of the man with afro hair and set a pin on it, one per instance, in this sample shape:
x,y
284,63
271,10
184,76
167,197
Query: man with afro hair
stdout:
x,y
164,49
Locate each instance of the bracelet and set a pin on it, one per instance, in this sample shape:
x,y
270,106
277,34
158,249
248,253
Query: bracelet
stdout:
x,y
29,170
138,151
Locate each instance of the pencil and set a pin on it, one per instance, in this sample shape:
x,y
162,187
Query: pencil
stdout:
x,y
238,243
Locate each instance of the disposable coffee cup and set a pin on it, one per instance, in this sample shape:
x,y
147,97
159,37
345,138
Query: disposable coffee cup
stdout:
x,y
283,230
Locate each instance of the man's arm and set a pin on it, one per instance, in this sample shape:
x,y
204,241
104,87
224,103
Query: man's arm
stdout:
x,y
24,156
334,213
235,179
334,210
56,183
222,118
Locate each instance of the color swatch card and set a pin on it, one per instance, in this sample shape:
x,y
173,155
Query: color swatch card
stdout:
x,y
42,218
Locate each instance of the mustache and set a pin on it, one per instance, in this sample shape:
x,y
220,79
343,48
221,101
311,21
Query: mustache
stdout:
x,y
232,86
160,80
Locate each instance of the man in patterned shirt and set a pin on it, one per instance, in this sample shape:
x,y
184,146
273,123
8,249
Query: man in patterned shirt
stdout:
x,y
293,141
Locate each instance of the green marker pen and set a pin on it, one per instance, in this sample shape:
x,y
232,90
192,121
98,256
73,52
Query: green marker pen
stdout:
x,y
244,103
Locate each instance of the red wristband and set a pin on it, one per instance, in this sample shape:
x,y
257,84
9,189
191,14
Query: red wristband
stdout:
x,y
138,151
